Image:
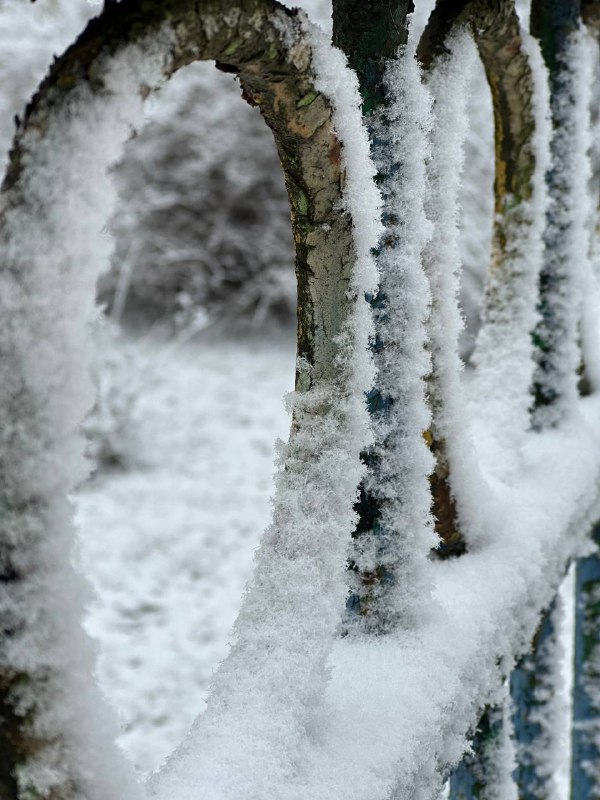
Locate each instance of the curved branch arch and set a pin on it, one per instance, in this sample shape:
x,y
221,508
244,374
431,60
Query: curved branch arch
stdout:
x,y
503,354
70,133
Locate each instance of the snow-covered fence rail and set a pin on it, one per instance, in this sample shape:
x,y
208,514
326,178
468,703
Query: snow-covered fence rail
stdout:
x,y
297,711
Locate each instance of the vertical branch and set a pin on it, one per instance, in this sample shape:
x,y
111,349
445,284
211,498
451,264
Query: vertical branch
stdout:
x,y
566,253
486,772
447,79
503,353
394,534
539,718
585,742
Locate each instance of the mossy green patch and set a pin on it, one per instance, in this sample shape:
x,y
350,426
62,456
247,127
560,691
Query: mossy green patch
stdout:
x,y
307,100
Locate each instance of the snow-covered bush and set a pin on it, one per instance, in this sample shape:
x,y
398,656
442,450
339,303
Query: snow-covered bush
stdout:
x,y
204,217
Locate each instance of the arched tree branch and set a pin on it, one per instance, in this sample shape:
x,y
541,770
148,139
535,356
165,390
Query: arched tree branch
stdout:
x,y
44,751
503,353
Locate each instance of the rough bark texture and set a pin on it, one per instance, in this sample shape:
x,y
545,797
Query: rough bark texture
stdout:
x,y
262,42
498,38
370,34
590,13
444,18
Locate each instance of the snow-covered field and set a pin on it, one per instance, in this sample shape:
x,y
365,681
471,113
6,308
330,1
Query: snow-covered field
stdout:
x,y
168,542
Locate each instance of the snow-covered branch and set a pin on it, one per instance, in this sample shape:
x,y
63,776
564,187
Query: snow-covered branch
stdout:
x,y
52,253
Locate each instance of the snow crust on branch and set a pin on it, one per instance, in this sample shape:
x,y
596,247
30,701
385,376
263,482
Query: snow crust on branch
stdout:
x,y
52,251
295,713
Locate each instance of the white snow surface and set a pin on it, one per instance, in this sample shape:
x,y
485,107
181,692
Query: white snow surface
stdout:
x,y
396,707
169,544
30,35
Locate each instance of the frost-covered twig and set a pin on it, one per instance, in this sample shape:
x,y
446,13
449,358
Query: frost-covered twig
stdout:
x,y
394,533
504,352
539,715
454,479
585,742
568,56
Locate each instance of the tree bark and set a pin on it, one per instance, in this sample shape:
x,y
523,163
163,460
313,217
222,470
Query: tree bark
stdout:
x,y
370,35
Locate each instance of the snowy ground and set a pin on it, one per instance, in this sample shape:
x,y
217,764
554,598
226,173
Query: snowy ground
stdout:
x,y
168,543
